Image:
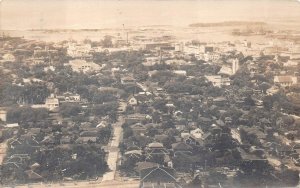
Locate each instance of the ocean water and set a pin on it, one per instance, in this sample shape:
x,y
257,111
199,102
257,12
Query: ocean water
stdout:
x,y
21,15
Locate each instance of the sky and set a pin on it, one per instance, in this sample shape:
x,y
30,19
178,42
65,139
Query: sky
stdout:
x,y
98,14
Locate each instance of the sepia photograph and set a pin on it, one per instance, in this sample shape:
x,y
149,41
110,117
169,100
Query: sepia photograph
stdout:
x,y
149,93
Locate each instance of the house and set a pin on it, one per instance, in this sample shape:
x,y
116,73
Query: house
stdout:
x,y
285,80
102,124
8,58
180,72
229,71
211,56
291,63
86,140
156,148
12,125
52,103
135,118
150,61
128,80
180,127
65,140
132,101
89,133
144,165
160,137
49,140
134,154
192,141
157,177
69,97
3,115
251,163
181,147
197,133
138,129
33,175
176,62
220,101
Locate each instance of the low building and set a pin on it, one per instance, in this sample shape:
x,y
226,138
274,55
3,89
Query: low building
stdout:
x,y
158,177
135,118
285,80
132,101
8,58
138,129
69,97
181,147
180,72
128,80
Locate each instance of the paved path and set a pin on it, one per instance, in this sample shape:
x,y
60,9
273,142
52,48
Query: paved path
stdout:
x,y
236,135
113,151
3,148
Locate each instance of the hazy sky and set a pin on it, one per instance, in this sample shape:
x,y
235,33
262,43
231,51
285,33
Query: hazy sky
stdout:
x,y
78,14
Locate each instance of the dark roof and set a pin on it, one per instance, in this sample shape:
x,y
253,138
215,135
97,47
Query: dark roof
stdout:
x,y
160,138
181,146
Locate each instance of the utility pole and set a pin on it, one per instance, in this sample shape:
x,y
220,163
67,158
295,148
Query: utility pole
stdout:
x,y
125,33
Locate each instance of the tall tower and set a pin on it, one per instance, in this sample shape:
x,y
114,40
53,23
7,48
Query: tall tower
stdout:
x,y
235,66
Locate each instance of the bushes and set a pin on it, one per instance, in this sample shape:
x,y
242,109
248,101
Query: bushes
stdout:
x,y
68,110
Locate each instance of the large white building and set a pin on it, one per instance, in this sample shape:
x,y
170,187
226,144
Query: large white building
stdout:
x,y
227,70
218,80
79,65
77,51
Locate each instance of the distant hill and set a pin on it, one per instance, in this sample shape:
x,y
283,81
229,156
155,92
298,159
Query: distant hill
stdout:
x,y
228,23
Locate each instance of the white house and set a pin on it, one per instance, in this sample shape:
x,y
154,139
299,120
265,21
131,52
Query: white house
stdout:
x,y
132,101
3,115
180,72
8,58
52,102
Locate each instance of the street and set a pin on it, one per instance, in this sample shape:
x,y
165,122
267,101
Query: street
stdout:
x,y
113,151
83,184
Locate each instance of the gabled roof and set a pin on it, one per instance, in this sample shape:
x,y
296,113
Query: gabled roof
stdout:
x,y
155,145
33,175
158,174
